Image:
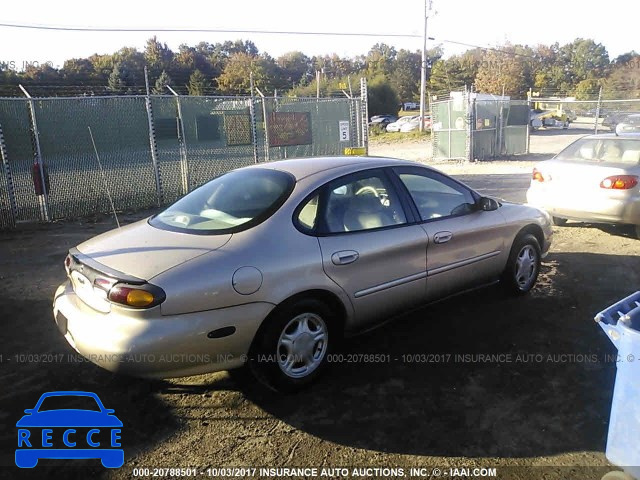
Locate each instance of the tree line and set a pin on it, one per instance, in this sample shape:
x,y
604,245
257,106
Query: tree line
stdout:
x,y
579,69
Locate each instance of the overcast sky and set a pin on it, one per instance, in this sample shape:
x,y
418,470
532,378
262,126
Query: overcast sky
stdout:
x,y
483,23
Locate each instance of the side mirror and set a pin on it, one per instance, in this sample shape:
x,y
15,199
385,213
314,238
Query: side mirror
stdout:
x,y
487,204
29,411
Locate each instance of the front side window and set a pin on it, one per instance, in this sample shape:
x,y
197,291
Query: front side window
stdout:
x,y
361,202
229,203
436,196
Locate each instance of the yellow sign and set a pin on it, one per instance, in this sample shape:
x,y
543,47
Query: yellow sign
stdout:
x,y
355,151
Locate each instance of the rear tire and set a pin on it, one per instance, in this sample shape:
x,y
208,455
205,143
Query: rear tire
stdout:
x,y
290,351
523,265
558,221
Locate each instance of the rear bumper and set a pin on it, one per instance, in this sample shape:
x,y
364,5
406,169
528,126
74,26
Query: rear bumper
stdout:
x,y
159,347
600,208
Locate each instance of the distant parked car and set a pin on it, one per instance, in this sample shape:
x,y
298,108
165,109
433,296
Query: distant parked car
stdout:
x,y
602,113
410,106
629,126
271,264
595,179
612,120
382,120
395,126
414,124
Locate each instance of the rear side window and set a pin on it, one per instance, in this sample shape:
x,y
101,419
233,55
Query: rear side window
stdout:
x,y
603,150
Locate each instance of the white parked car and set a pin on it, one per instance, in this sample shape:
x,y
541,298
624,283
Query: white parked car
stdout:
x,y
414,124
395,126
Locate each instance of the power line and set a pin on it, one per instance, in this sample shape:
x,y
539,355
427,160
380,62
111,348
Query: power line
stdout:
x,y
199,30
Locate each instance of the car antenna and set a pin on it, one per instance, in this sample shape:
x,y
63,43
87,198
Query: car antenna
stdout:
x,y
104,179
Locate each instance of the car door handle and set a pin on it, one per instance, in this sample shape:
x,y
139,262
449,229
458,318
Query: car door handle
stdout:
x,y
442,237
344,257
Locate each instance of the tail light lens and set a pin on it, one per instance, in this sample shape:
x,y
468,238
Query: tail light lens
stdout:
x,y
537,176
136,296
619,182
67,263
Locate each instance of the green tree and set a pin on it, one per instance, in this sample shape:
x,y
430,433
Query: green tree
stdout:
x,y
295,68
198,83
405,78
583,59
624,80
158,56
117,79
77,70
382,97
160,87
380,60
235,78
588,89
502,72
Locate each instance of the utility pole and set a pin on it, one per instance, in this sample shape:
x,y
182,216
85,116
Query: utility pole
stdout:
x,y
423,70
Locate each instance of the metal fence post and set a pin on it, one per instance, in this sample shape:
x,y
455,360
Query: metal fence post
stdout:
x,y
7,171
598,110
364,97
263,99
152,141
184,165
252,114
471,119
43,199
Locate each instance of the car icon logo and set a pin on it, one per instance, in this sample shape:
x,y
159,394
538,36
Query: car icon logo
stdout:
x,y
69,425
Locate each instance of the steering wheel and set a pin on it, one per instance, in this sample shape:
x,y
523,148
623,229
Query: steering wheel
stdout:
x,y
368,188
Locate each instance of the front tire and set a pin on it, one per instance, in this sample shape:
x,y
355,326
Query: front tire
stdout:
x,y
290,351
523,265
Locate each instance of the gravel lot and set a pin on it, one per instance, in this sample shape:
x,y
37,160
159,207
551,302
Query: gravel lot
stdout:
x,y
484,380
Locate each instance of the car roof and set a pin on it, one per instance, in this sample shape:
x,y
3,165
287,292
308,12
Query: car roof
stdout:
x,y
610,136
304,167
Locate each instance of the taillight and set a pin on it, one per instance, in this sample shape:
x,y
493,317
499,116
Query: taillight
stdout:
x,y
539,177
619,182
136,296
67,263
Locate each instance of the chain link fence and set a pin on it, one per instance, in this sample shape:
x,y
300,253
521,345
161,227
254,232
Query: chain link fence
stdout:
x,y
599,116
468,128
62,157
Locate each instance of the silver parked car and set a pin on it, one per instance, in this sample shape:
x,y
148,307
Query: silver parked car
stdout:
x,y
594,179
629,126
270,264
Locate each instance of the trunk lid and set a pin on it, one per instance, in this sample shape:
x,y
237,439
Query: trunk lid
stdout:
x,y
143,251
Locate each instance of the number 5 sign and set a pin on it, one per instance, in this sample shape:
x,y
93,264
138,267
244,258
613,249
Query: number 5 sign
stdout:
x,y
344,130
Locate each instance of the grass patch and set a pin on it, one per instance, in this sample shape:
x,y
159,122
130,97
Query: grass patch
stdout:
x,y
399,137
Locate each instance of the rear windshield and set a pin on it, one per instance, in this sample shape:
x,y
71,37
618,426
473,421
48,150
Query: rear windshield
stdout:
x,y
232,202
603,150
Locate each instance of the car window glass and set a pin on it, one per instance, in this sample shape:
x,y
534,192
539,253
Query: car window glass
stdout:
x,y
308,213
605,150
355,204
227,202
437,197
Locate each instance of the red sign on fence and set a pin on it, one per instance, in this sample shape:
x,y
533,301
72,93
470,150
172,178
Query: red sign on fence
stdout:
x,y
289,128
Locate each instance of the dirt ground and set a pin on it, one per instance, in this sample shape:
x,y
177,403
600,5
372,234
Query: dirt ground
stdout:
x,y
522,385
